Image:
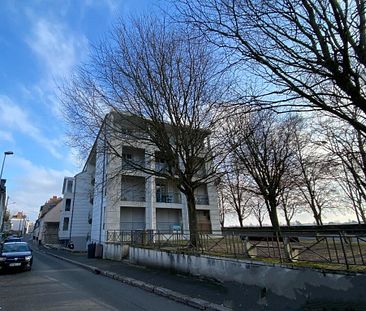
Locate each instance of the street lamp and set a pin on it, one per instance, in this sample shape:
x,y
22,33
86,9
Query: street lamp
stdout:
x,y
2,166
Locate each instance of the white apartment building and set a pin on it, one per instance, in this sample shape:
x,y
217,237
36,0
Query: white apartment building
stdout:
x,y
76,209
126,199
109,195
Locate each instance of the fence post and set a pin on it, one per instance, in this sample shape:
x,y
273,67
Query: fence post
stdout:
x,y
249,250
278,246
287,249
344,251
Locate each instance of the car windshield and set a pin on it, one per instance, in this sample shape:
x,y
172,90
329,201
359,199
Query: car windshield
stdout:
x,y
14,240
15,247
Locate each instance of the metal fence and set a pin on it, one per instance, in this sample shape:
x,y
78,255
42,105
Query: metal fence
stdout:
x,y
330,250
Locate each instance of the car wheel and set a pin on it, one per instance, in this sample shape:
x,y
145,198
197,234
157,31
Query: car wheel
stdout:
x,y
28,268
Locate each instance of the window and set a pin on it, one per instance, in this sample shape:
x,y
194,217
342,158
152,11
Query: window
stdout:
x,y
67,205
161,191
127,156
65,225
69,186
126,160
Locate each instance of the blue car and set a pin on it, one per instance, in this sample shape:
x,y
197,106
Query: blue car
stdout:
x,y
13,239
16,255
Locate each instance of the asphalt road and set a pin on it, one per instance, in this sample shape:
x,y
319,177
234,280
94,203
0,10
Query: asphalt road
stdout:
x,y
57,285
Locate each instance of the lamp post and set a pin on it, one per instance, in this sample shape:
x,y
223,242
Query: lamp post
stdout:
x,y
2,189
2,166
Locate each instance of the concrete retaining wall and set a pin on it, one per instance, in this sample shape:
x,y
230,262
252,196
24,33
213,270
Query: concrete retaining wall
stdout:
x,y
299,285
115,251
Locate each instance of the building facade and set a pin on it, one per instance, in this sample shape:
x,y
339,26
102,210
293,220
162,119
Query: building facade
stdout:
x,y
46,228
127,199
76,210
19,224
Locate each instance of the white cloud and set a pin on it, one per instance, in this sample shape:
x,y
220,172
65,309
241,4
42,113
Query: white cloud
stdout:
x,y
33,186
14,118
6,136
59,49
56,46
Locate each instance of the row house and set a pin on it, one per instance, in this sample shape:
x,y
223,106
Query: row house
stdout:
x,y
46,227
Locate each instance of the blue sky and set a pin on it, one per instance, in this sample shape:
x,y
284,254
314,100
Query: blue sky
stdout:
x,y
41,42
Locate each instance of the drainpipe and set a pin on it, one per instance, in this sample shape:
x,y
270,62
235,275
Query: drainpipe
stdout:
x,y
72,211
102,199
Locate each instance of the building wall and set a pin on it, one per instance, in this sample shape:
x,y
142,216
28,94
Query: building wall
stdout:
x,y
80,200
108,194
18,225
68,194
47,231
80,210
99,203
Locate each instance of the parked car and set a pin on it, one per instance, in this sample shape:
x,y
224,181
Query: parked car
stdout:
x,y
13,239
16,255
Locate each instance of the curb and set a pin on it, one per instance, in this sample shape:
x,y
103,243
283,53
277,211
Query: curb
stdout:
x,y
197,303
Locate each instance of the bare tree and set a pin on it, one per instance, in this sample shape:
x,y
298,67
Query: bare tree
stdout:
x,y
347,147
310,54
289,204
236,195
160,87
259,211
224,208
262,144
314,179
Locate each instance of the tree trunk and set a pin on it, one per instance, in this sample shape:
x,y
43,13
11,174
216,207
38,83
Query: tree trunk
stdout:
x,y
317,217
363,216
240,217
288,223
192,215
272,211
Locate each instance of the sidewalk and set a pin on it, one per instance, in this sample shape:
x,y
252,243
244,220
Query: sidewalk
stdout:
x,y
199,293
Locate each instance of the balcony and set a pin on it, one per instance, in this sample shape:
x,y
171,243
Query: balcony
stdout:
x,y
136,225
133,195
168,197
132,164
169,227
202,199
133,188
161,167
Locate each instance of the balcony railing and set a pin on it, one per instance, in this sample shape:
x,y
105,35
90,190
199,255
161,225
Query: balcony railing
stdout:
x,y
161,167
128,226
202,199
132,164
133,195
169,197
168,227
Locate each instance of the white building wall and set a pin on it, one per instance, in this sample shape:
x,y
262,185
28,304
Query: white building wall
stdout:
x,y
67,194
214,208
107,205
18,225
80,208
99,203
